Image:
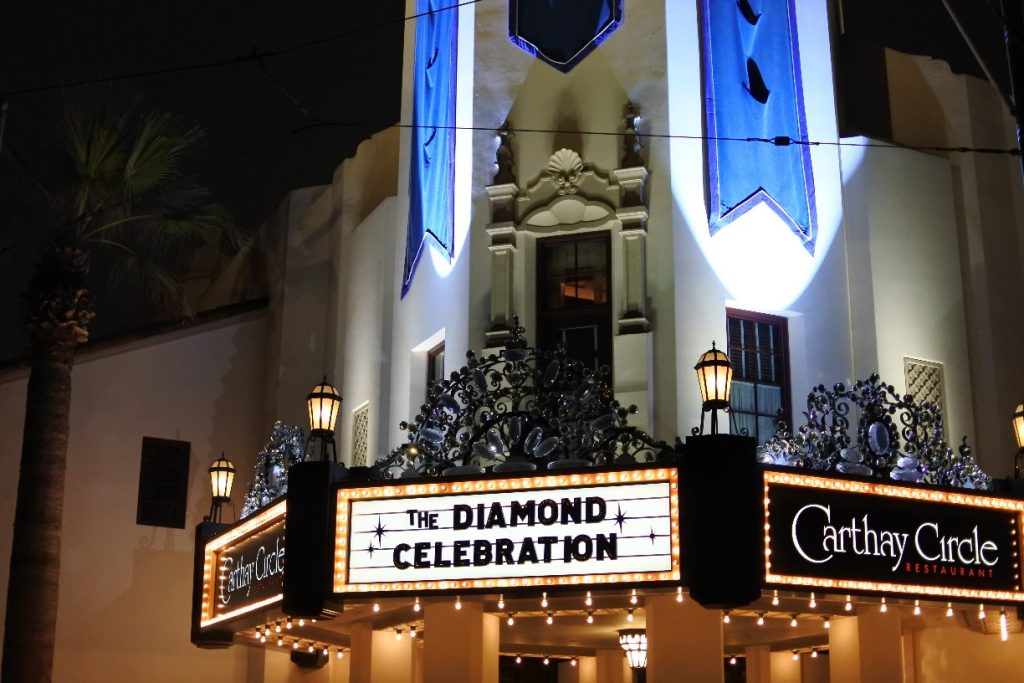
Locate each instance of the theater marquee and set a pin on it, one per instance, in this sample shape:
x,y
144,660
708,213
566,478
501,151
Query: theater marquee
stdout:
x,y
872,536
539,530
243,568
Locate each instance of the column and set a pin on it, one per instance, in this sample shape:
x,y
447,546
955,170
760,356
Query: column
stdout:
x,y
683,641
759,664
608,666
785,669
634,272
361,643
585,671
503,252
866,648
459,645
393,659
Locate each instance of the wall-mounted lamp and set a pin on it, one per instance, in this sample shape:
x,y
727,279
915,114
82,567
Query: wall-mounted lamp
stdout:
x,y
634,642
1018,431
714,376
222,476
323,403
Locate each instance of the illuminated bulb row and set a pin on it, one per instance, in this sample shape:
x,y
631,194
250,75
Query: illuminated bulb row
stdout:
x,y
814,654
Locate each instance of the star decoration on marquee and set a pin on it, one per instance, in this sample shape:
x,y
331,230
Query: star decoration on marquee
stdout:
x,y
620,518
653,535
370,549
379,531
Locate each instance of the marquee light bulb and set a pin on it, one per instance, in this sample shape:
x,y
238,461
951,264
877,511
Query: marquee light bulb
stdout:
x,y
981,612
760,618
376,607
551,619
775,598
589,600
792,621
812,603
679,594
416,605
726,618
1004,630
949,609
501,601
917,608
849,605
544,599
458,602
632,597
883,608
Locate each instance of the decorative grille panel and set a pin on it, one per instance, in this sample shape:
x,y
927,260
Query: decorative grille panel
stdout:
x,y
925,382
360,434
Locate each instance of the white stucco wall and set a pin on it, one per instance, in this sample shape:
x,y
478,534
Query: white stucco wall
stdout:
x,y
125,592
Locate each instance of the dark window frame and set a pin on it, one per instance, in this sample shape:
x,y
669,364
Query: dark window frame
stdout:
x,y
432,355
782,371
553,321
154,506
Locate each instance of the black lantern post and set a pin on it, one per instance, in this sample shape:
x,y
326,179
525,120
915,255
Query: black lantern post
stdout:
x,y
323,403
634,642
1018,431
714,376
222,476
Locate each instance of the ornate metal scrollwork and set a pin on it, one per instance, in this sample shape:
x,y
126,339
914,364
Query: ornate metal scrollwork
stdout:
x,y
893,436
520,409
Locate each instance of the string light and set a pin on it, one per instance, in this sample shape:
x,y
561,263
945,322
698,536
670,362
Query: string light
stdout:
x,y
775,598
1004,630
725,617
629,615
814,653
883,608
828,622
398,634
412,631
949,609
812,603
501,601
458,602
589,600
679,594
310,648
280,641
551,618
849,605
544,599
295,645
341,653
796,655
917,608
590,616
632,597
511,619
519,660
546,661
981,612
277,627
376,607
263,639
302,622
288,624
416,605
732,660
792,621
760,618
572,661
326,651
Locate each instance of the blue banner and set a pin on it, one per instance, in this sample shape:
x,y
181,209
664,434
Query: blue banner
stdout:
x,y
753,90
432,159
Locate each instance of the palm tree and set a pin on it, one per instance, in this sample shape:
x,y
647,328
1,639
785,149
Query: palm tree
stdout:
x,y
128,205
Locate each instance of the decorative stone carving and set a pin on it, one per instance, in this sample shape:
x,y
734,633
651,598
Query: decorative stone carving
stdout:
x,y
503,156
566,168
631,145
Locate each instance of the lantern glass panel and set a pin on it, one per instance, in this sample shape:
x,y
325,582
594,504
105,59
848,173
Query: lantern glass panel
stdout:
x,y
634,642
323,403
222,476
1018,425
714,376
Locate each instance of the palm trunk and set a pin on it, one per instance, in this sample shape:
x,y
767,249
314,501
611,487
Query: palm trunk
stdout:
x,y
31,618
58,314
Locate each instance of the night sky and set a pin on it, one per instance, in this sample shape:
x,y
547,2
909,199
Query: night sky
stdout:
x,y
254,154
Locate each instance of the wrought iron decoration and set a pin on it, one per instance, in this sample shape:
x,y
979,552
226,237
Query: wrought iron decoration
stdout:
x,y
519,409
895,437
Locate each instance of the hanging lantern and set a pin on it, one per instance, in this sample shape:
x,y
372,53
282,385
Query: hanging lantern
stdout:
x,y
1018,431
714,377
222,476
324,402
634,642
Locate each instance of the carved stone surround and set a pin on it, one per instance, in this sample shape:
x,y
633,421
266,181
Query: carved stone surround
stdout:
x,y
571,195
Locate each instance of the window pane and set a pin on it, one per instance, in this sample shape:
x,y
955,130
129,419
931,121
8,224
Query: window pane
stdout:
x,y
765,428
742,396
769,399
